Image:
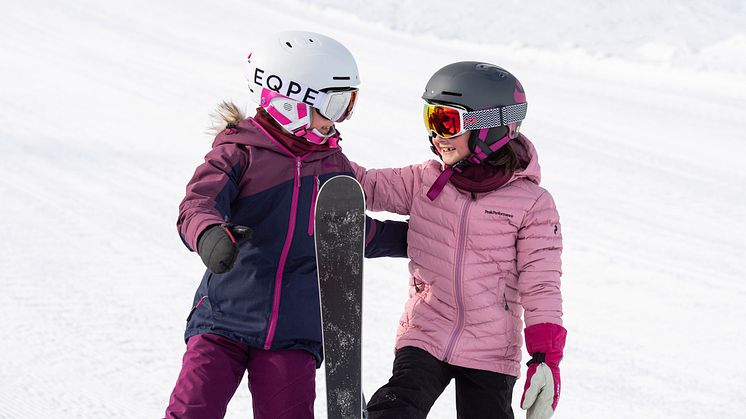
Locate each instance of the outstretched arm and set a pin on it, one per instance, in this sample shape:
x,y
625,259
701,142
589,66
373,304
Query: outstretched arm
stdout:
x,y
389,189
385,238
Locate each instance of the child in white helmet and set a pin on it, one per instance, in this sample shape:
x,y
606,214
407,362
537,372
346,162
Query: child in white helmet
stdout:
x,y
248,212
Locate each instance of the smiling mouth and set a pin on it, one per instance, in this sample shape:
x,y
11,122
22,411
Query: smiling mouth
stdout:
x,y
447,149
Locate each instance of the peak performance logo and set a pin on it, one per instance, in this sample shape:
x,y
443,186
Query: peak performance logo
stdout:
x,y
504,214
289,88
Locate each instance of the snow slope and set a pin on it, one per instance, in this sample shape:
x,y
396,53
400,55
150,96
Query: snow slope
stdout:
x,y
102,114
688,33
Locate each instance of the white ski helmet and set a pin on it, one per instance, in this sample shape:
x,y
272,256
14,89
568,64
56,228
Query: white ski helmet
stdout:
x,y
290,72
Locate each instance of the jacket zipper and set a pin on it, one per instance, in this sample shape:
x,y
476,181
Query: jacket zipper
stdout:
x,y
313,205
284,257
457,279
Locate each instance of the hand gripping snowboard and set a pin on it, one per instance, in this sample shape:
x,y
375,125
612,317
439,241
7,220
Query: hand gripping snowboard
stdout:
x,y
340,240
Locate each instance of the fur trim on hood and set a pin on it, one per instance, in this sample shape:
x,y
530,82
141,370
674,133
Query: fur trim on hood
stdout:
x,y
227,115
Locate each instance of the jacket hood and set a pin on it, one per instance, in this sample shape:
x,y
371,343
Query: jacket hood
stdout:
x,y
529,159
233,127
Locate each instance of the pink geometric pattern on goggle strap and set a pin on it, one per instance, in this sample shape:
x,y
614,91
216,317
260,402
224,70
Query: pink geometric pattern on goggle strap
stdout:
x,y
495,117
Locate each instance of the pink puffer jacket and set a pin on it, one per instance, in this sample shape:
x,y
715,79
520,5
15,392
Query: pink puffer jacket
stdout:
x,y
477,262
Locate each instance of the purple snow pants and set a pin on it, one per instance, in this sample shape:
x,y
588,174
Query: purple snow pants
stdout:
x,y
282,383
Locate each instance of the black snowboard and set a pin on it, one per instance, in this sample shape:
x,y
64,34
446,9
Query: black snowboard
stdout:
x,y
340,241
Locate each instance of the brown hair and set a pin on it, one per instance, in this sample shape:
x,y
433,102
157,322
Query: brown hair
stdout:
x,y
505,157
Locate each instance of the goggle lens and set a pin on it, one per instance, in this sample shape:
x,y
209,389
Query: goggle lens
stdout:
x,y
444,121
339,105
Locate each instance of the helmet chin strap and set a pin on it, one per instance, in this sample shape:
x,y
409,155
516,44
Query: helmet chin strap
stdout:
x,y
479,153
460,165
445,175
479,146
315,137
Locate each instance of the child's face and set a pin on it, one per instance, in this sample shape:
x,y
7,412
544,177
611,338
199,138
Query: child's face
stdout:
x,y
453,149
320,123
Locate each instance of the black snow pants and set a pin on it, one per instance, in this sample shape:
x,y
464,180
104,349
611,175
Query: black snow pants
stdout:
x,y
419,378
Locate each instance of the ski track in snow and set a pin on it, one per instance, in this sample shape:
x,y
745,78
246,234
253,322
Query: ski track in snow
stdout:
x,y
104,107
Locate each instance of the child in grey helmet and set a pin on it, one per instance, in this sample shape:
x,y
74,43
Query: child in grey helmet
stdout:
x,y
484,242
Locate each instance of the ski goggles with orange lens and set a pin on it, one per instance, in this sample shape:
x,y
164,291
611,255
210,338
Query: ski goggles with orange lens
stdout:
x,y
449,121
336,105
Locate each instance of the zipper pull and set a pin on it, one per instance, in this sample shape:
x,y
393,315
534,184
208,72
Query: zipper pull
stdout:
x,y
505,301
196,306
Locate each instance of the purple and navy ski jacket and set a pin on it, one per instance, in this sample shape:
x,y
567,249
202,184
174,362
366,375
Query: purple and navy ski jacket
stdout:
x,y
270,298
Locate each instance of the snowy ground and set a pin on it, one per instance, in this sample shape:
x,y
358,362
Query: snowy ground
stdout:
x,y
102,111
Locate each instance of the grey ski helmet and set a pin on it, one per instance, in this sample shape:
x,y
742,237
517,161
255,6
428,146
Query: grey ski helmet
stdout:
x,y
493,98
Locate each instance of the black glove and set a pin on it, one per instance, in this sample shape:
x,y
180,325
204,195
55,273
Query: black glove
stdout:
x,y
218,246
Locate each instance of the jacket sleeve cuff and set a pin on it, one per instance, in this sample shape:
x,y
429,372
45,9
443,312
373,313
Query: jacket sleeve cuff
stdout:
x,y
545,338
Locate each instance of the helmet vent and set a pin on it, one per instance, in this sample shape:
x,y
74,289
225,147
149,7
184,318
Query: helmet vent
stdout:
x,y
341,78
451,93
289,44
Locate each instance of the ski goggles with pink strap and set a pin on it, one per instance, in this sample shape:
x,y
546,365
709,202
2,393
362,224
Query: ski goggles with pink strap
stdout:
x,y
449,121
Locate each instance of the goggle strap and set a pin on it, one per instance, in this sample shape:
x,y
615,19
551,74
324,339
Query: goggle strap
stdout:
x,y
495,117
514,113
